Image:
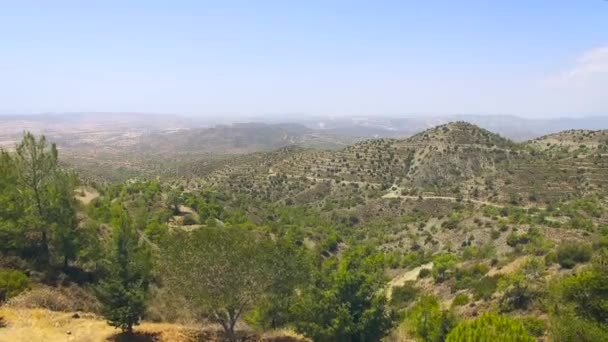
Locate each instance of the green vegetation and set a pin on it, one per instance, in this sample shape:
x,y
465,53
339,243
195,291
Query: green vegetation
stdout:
x,y
12,283
467,223
124,292
427,321
490,327
571,253
38,215
461,299
404,294
246,269
346,301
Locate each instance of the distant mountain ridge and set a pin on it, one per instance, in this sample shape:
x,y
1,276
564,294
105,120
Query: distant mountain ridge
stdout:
x,y
239,138
510,126
174,134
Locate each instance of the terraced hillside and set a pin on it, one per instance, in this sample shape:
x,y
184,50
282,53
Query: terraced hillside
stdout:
x,y
452,161
573,140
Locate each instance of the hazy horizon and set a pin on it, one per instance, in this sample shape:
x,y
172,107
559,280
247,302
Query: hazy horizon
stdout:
x,y
237,59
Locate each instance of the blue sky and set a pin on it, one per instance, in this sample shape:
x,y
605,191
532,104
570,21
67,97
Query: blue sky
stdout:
x,y
239,58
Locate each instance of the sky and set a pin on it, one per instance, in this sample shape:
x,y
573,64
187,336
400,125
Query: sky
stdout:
x,y
532,58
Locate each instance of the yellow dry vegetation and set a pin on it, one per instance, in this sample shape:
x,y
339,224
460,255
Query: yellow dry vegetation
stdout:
x,y
53,326
86,194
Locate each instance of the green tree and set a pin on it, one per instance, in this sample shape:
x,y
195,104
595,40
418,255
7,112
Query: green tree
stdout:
x,y
37,200
220,272
124,291
292,271
12,207
347,301
490,327
427,321
66,236
174,199
443,265
37,164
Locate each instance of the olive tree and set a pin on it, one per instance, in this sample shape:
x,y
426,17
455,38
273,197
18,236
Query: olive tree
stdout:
x,y
220,272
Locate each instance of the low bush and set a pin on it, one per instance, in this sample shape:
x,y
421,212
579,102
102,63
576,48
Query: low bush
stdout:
x,y
424,273
461,299
12,283
490,327
427,321
535,326
518,296
189,220
404,295
485,287
466,277
69,298
571,253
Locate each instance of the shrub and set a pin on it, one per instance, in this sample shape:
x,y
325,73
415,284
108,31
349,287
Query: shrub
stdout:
x,y
518,296
427,321
461,299
568,327
424,273
485,287
550,258
69,298
587,291
403,295
189,220
467,276
535,326
12,283
490,327
571,253
443,266
514,239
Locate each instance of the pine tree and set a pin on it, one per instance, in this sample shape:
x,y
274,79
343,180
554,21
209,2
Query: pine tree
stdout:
x,y
37,164
124,292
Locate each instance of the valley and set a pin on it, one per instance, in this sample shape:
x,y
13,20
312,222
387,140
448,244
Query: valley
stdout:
x,y
455,223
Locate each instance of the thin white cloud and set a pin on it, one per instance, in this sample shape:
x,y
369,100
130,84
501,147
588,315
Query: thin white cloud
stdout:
x,y
588,67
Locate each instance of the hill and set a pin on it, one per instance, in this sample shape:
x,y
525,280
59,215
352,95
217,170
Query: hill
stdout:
x,y
572,140
455,160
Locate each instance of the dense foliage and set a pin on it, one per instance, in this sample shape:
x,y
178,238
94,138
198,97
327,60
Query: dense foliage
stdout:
x,y
38,211
124,292
490,327
245,269
346,301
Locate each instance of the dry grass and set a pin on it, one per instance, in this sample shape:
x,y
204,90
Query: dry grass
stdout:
x,y
51,326
86,195
283,335
63,298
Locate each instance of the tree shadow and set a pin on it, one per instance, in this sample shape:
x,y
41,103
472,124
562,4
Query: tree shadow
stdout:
x,y
135,337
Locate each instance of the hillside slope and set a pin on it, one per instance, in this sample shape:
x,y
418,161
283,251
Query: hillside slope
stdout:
x,y
457,160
